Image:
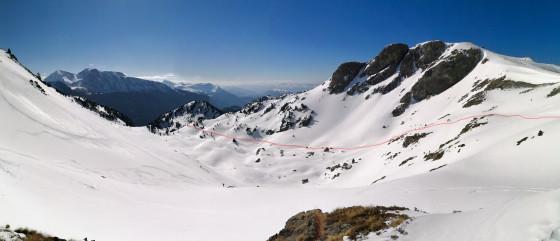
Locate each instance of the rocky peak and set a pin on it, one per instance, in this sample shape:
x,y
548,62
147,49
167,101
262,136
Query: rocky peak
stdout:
x,y
421,56
429,52
343,75
194,111
378,69
61,76
446,73
95,74
391,55
89,73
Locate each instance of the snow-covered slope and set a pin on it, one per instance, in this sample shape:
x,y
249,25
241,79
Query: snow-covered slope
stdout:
x,y
362,124
461,133
56,155
488,124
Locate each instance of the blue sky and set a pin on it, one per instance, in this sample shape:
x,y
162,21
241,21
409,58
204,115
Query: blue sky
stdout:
x,y
235,41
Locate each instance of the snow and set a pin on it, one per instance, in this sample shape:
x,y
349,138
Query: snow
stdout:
x,y
110,182
9,235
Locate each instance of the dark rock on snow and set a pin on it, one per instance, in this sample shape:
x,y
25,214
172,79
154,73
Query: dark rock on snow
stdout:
x,y
446,73
389,56
343,75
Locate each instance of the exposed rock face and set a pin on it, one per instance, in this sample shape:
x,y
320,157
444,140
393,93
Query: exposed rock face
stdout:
x,y
397,58
385,64
405,102
554,92
389,56
343,75
446,73
491,84
352,222
303,226
398,62
421,57
429,52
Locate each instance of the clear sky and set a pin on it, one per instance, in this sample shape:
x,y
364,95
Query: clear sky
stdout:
x,y
278,40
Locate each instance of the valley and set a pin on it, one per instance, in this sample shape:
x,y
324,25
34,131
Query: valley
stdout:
x,y
393,131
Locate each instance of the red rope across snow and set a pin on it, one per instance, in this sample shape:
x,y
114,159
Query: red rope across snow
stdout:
x,y
427,126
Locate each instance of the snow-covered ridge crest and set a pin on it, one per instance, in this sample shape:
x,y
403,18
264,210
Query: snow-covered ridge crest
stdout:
x,y
476,156
430,83
96,81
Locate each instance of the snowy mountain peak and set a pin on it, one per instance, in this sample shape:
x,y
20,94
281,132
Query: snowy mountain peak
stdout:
x,y
61,76
97,75
218,96
206,88
139,99
192,112
463,137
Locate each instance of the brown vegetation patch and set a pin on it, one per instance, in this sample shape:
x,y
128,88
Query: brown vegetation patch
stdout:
x,y
26,234
352,222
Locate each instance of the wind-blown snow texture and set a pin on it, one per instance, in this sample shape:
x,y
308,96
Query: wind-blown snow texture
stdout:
x,y
66,171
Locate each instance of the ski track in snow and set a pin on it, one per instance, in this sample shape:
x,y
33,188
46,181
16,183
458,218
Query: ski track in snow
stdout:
x,y
425,127
65,171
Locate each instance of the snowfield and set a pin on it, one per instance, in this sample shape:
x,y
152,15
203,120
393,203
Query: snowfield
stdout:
x,y
476,173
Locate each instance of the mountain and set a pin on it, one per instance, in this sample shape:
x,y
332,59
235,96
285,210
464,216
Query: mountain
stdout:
x,y
253,91
57,154
192,112
141,100
217,95
441,141
407,126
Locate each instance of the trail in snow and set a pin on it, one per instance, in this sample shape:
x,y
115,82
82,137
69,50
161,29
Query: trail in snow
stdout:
x,y
426,126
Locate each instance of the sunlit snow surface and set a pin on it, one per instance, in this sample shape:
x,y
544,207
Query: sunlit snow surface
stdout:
x,y
65,171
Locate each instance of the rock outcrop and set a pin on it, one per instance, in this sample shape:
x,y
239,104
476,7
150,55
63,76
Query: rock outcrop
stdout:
x,y
389,56
351,222
194,111
446,73
423,56
398,59
343,75
386,63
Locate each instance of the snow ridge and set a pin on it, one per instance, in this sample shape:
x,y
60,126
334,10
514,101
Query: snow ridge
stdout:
x,y
482,178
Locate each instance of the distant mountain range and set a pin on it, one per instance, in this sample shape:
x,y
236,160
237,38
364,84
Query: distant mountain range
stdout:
x,y
140,100
455,141
217,96
274,90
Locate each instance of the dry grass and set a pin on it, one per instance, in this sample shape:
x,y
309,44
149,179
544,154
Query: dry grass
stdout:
x,y
359,220
33,235
352,222
27,234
